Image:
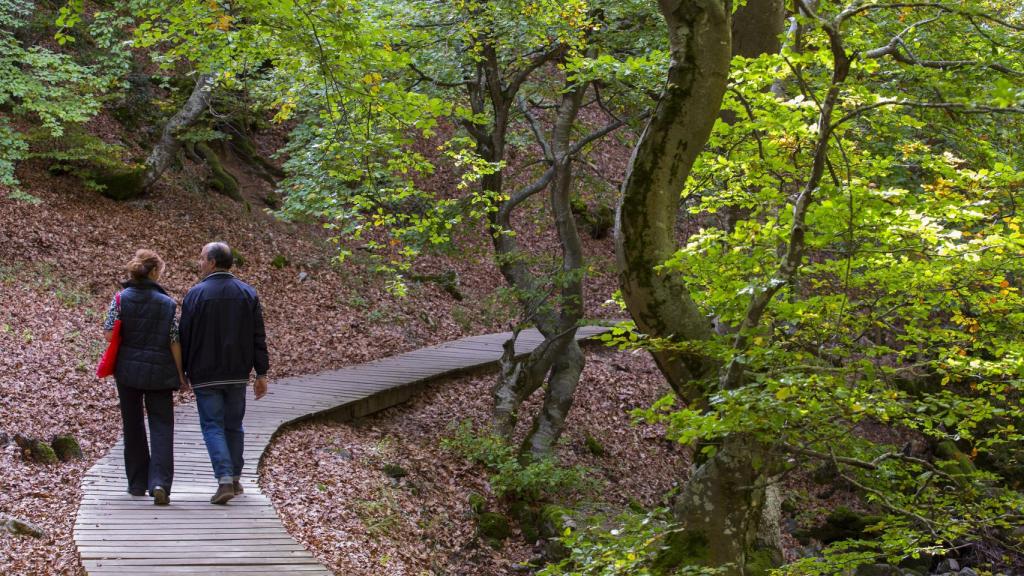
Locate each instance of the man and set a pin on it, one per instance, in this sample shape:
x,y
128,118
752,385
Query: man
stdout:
x,y
222,341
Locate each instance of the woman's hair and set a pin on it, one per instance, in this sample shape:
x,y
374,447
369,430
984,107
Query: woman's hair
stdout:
x,y
143,264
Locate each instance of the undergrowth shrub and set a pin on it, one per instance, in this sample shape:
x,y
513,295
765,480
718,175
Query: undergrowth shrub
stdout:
x,y
533,480
96,163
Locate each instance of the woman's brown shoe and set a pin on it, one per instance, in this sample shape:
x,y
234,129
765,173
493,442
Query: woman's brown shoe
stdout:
x,y
224,493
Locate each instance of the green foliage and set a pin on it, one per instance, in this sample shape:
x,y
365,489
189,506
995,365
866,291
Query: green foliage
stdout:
x,y
631,545
41,87
22,196
905,312
533,481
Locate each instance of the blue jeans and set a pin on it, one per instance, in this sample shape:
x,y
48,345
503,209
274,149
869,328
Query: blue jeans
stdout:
x,y
221,409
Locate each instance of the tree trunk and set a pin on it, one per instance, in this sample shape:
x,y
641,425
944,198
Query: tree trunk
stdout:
x,y
660,304
757,27
724,510
518,380
569,359
559,355
549,424
728,512
163,153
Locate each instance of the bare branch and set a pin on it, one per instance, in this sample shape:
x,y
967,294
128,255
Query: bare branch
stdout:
x,y
602,132
963,108
523,193
536,62
856,9
423,76
538,131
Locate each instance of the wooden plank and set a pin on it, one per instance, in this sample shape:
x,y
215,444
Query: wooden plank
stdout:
x,y
208,561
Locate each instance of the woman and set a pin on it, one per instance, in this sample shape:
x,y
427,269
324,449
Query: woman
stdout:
x,y
148,371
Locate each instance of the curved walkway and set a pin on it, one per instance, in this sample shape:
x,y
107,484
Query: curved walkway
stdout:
x,y
118,534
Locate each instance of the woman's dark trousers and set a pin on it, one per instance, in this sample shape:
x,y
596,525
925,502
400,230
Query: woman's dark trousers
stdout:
x,y
152,465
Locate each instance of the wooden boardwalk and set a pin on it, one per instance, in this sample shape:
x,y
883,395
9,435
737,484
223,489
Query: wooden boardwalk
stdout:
x,y
120,534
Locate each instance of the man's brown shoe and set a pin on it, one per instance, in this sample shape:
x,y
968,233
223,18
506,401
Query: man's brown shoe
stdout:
x,y
224,493
237,487
160,497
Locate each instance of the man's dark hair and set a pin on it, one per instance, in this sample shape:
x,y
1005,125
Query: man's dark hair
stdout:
x,y
220,254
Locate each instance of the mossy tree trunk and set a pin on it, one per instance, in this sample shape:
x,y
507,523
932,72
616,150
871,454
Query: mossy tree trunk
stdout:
x,y
660,304
162,155
558,360
729,507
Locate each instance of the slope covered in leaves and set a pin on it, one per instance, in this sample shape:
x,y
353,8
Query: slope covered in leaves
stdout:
x,y
61,260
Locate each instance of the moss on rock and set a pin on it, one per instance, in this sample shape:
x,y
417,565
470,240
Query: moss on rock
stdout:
x,y
493,527
477,503
682,549
528,518
395,471
119,184
66,448
594,446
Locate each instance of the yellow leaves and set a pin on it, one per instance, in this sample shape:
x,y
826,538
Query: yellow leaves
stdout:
x,y
941,187
783,393
373,80
285,112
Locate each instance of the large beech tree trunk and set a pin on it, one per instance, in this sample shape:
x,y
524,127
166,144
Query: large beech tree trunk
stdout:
x,y
728,509
729,515
162,155
645,232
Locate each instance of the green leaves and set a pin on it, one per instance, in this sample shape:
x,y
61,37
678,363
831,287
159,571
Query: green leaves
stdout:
x,y
43,87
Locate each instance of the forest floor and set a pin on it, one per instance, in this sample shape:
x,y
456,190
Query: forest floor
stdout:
x,y
60,264
327,480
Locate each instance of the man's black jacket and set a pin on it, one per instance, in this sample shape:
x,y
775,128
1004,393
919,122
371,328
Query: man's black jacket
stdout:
x,y
222,333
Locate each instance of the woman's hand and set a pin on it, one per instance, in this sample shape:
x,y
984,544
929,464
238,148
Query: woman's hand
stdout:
x,y
185,386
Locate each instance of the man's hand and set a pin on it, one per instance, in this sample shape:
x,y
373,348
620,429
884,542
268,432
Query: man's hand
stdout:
x,y
259,389
185,386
